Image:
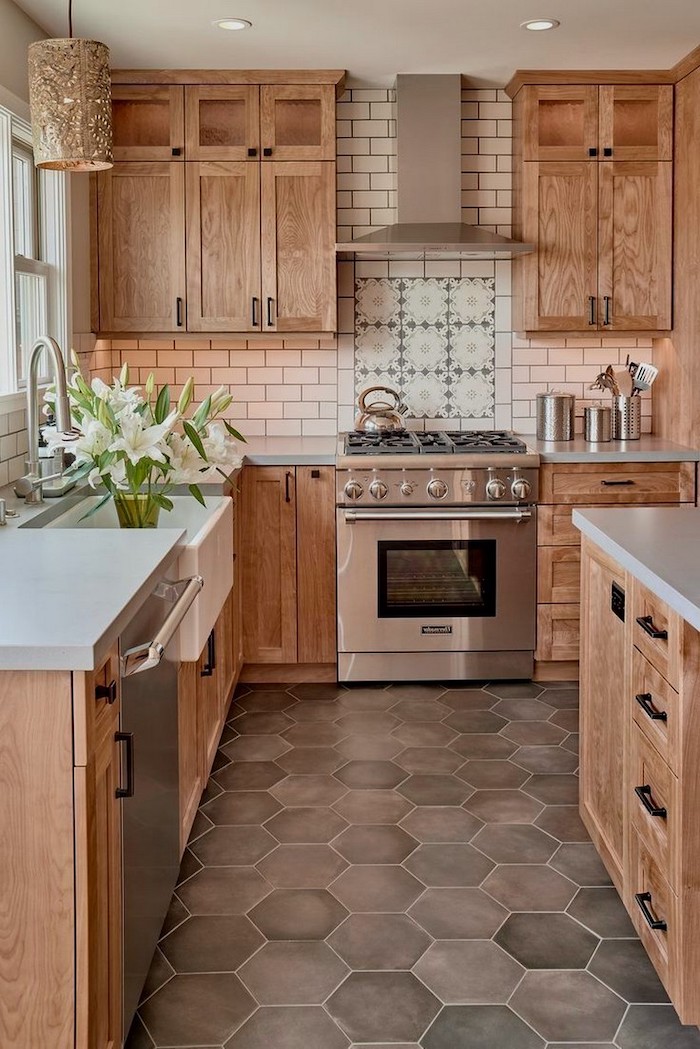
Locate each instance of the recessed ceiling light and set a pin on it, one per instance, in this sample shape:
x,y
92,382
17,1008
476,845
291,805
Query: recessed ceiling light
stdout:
x,y
232,23
538,25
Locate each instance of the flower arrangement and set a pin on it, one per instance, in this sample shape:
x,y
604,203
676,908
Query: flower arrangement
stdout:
x,y
138,446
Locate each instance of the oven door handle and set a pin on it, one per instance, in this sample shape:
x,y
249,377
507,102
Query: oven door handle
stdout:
x,y
516,514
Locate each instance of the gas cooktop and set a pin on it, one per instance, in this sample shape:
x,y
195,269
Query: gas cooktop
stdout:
x,y
416,442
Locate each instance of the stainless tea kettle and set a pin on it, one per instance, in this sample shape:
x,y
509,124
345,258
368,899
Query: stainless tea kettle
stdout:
x,y
379,416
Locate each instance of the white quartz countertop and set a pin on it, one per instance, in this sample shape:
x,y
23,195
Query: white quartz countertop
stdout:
x,y
290,451
648,449
659,546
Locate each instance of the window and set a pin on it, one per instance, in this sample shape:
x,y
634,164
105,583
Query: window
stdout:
x,y
33,265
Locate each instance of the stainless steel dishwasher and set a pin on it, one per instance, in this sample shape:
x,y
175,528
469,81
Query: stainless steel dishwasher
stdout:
x,y
151,810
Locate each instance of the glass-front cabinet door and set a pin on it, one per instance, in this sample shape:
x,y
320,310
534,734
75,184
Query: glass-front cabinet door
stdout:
x,y
297,122
439,577
222,122
148,122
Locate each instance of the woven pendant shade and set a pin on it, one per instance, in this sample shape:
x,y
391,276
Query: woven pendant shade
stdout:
x,y
70,98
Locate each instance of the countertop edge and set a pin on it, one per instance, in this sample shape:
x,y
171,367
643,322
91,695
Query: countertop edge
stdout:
x,y
288,459
648,449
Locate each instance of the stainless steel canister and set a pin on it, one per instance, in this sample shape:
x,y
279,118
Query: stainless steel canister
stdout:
x,y
597,423
555,416
626,419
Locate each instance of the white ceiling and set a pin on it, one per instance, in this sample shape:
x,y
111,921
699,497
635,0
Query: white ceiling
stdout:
x,y
375,39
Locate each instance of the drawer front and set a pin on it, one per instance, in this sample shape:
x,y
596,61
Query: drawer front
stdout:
x,y
653,802
656,632
558,574
558,629
554,527
655,708
650,901
606,483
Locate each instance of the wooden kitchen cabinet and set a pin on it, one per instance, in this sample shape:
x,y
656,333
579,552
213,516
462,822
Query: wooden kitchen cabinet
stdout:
x,y
297,122
148,122
222,122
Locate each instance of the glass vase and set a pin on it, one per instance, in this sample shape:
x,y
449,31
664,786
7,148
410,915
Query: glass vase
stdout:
x,y
136,510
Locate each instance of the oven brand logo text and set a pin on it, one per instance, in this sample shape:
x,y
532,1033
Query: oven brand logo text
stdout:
x,y
436,630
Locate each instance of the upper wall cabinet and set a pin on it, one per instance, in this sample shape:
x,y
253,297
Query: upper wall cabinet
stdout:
x,y
222,122
297,122
148,122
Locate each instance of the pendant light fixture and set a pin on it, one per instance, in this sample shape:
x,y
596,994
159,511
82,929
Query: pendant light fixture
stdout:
x,y
70,100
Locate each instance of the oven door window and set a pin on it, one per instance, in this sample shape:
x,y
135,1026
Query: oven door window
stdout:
x,y
453,578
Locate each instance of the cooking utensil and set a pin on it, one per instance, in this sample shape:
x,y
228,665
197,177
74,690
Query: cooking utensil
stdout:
x,y
624,382
379,416
644,375
606,381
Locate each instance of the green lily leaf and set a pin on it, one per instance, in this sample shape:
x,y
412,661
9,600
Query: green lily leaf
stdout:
x,y
234,433
197,493
162,501
195,439
96,507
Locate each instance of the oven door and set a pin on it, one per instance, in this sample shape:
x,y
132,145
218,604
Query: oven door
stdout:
x,y
436,580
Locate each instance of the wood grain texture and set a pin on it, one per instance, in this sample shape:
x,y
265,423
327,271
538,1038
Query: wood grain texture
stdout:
x,y
661,946
297,122
566,670
222,122
647,768
636,122
141,219
89,709
37,873
148,122
316,564
663,653
189,748
635,233
663,735
560,122
566,77
231,76
558,574
223,246
209,706
298,246
558,629
268,566
687,65
290,673
237,611
653,483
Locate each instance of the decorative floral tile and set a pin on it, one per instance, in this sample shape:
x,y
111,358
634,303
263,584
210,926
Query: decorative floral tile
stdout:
x,y
432,339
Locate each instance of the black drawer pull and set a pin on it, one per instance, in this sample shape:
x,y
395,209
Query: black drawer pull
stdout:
x,y
607,151
210,665
647,625
270,321
178,311
644,795
591,305
128,790
287,494
108,692
252,151
254,314
645,701
267,151
176,152
617,484
607,300
592,152
643,900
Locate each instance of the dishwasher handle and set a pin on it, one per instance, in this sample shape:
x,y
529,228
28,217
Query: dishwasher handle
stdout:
x,y
145,657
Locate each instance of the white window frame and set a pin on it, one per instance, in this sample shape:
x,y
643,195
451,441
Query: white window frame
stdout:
x,y
54,249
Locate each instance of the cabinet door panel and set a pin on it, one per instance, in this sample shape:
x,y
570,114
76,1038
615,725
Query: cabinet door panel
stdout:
x,y
298,122
147,122
316,575
560,217
636,122
298,247
560,122
223,247
222,123
189,748
558,574
636,221
141,229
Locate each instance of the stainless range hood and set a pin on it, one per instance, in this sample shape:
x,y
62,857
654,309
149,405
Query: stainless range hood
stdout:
x,y
429,182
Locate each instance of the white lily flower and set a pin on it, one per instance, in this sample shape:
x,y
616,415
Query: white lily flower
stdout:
x,y
185,461
143,442
116,472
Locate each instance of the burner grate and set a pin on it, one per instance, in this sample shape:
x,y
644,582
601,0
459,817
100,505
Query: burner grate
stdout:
x,y
417,442
485,441
380,444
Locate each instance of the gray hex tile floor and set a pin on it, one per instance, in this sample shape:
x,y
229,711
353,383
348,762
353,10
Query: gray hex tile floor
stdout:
x,y
399,867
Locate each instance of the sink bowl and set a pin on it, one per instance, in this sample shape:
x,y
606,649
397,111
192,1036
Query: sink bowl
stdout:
x,y
207,551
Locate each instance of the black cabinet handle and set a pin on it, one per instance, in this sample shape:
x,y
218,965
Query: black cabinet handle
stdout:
x,y
254,315
128,790
108,692
592,152
644,795
252,152
591,305
618,484
607,151
643,900
647,625
178,311
287,493
645,701
606,300
270,321
177,152
210,665
267,151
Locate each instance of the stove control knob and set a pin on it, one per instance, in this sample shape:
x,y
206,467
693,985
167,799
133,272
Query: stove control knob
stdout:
x,y
495,488
520,488
353,489
378,490
437,489
407,488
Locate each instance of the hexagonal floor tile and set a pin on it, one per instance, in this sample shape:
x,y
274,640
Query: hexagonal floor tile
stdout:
x,y
373,806
319,691
367,699
298,914
515,689
493,773
538,733
288,973
483,745
553,789
564,696
379,941
270,724
463,972
545,759
467,699
371,775
416,692
467,721
375,844
256,748
312,710
420,710
369,748
435,790
563,822
480,1027
202,1008
572,743
568,1006
503,806
305,825
201,825
449,865
362,722
189,865
294,1027
241,808
651,1026
310,761
223,890
264,702
308,791
446,824
159,973
233,846
428,759
602,911
547,941
530,887
624,966
177,913
515,843
302,866
566,719
392,1005
376,888
425,734
250,775
211,943
458,914
315,734
580,862
523,709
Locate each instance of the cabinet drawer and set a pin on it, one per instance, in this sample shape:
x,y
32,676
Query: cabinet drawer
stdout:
x,y
648,889
558,574
656,632
558,628
653,802
607,483
554,527
655,708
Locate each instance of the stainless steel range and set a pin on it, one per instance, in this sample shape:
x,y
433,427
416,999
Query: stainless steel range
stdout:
x,y
436,556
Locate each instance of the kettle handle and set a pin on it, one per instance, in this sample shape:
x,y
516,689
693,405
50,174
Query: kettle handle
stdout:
x,y
362,400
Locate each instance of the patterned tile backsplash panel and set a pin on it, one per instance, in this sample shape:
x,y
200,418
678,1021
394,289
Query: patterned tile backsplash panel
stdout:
x,y
431,339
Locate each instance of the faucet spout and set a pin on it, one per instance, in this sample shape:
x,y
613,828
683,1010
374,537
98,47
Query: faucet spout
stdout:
x,y
63,416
